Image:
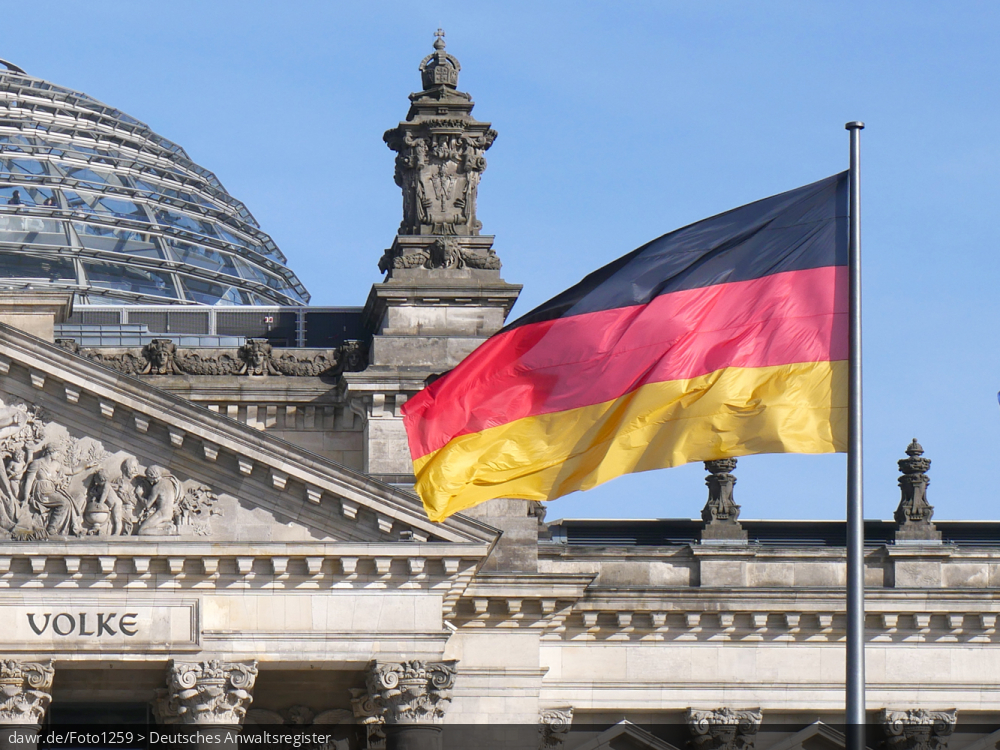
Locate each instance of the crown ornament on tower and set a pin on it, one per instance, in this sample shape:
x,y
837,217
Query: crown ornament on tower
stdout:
x,y
439,68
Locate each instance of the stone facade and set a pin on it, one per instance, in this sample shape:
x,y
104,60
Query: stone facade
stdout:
x,y
228,536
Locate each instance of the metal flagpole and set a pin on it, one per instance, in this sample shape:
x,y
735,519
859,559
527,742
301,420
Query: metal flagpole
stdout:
x,y
855,718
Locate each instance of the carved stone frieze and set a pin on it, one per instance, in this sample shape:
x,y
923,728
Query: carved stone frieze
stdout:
x,y
55,485
918,729
255,358
209,692
721,513
440,151
24,691
410,692
554,724
724,728
914,513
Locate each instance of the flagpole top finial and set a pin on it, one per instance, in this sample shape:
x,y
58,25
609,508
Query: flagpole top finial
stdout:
x,y
855,125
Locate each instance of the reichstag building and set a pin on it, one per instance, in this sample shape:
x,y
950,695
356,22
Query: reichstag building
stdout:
x,y
206,515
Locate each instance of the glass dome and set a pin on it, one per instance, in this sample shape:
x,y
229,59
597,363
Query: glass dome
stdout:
x,y
93,201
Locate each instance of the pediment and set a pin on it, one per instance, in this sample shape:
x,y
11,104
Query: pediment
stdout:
x,y
90,453
625,736
816,736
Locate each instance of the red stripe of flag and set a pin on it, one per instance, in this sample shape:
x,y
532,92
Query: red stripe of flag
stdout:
x,y
566,363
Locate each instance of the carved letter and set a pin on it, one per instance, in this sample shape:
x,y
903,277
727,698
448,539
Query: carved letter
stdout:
x,y
105,626
83,624
31,622
129,628
55,623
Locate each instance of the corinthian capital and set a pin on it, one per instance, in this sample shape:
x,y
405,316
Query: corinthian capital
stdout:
x,y
917,729
724,728
411,692
553,727
24,691
209,692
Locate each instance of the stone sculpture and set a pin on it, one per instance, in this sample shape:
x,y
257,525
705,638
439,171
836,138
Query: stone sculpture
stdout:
x,y
914,513
721,513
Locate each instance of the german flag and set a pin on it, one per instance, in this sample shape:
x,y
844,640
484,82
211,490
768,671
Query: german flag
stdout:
x,y
725,338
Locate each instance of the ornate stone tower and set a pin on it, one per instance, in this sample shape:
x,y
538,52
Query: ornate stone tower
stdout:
x,y
439,162
443,294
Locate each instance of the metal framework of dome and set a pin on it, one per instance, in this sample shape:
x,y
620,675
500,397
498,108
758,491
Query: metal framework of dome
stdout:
x,y
93,201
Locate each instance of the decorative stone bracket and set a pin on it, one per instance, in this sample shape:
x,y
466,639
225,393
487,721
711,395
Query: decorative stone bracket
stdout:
x,y
24,691
209,692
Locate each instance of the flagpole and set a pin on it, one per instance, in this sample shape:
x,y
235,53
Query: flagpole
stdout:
x,y
855,682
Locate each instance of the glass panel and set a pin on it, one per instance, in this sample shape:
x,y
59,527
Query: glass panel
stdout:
x,y
15,142
255,273
95,176
27,195
208,293
171,193
174,219
117,240
202,257
23,166
138,280
97,204
19,266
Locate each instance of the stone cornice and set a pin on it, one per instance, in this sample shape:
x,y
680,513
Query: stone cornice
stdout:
x,y
152,405
435,292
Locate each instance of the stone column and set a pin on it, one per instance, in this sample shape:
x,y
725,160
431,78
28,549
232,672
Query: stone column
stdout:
x,y
917,729
724,728
209,697
412,697
24,697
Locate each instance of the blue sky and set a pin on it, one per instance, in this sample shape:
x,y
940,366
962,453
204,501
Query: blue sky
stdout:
x,y
618,122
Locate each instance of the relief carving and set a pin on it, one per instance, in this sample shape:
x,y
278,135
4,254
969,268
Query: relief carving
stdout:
x,y
209,692
256,357
55,485
446,252
24,691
